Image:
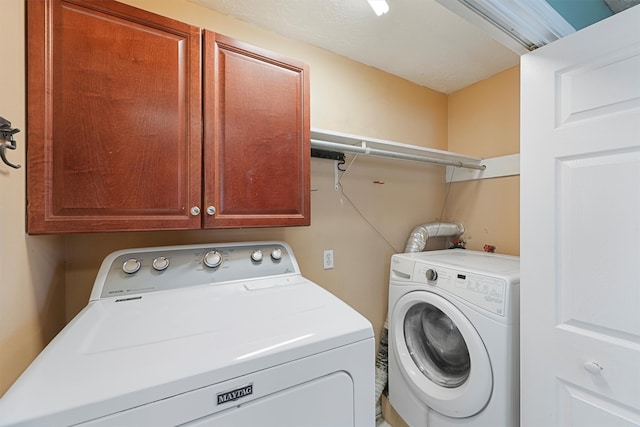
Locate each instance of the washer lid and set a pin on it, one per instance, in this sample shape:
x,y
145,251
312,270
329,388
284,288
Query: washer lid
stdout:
x,y
441,355
118,354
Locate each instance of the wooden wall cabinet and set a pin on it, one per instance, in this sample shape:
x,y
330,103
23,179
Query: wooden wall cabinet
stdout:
x,y
256,136
122,136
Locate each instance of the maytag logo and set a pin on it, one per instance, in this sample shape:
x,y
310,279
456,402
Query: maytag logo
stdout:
x,y
235,394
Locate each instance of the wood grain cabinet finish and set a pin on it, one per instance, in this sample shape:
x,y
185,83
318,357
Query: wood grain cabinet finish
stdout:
x,y
256,136
114,118
115,136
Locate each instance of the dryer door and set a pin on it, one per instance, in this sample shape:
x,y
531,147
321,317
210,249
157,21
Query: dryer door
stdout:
x,y
441,354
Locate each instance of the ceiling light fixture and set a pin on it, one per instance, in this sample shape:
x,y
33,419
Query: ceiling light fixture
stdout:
x,y
529,24
380,7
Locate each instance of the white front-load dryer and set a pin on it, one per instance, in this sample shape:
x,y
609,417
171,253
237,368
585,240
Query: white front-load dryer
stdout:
x,y
453,338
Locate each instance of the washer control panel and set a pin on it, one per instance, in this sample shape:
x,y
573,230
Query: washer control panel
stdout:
x,y
484,291
143,270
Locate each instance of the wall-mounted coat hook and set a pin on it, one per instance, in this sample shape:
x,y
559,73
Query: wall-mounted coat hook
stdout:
x,y
6,134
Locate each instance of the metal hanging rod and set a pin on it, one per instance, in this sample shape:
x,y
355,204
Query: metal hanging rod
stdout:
x,y
366,150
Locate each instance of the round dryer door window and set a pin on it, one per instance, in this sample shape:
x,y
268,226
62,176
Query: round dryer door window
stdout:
x,y
441,354
436,345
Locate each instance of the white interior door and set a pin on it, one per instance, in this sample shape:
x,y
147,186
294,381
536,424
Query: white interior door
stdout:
x,y
580,204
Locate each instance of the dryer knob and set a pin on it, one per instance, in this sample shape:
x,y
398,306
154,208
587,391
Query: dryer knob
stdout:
x,y
431,275
131,266
256,256
160,263
276,254
212,259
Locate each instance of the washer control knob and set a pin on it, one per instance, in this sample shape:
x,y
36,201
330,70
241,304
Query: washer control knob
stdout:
x,y
276,254
160,263
431,275
256,255
212,259
131,266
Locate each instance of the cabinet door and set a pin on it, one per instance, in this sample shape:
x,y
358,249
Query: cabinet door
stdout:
x,y
256,136
114,118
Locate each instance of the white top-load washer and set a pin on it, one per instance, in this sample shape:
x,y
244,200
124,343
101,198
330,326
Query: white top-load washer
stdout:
x,y
454,339
202,335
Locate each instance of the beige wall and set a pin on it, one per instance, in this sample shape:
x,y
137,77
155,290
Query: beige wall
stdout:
x,y
484,121
31,268
345,95
364,223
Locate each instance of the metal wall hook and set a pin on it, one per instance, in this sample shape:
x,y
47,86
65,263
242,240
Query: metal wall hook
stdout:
x,y
6,134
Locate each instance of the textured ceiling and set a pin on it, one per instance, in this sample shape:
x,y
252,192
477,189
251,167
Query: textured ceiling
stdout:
x,y
418,40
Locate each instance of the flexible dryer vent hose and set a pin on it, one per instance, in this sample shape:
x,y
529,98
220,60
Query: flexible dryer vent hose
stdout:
x,y
419,236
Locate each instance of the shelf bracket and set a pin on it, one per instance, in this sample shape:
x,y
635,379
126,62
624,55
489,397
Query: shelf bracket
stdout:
x,y
338,159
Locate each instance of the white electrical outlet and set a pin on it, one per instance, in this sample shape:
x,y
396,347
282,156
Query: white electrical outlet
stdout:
x,y
327,259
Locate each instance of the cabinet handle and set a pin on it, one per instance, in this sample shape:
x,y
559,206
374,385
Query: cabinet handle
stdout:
x,y
195,211
211,210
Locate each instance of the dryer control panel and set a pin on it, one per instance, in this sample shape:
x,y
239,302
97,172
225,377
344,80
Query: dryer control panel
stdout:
x,y
484,291
136,271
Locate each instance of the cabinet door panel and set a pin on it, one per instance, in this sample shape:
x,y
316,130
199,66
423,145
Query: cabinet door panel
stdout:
x,y
114,118
256,136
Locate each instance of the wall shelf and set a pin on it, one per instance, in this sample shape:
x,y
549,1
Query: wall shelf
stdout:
x,y
471,167
336,141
